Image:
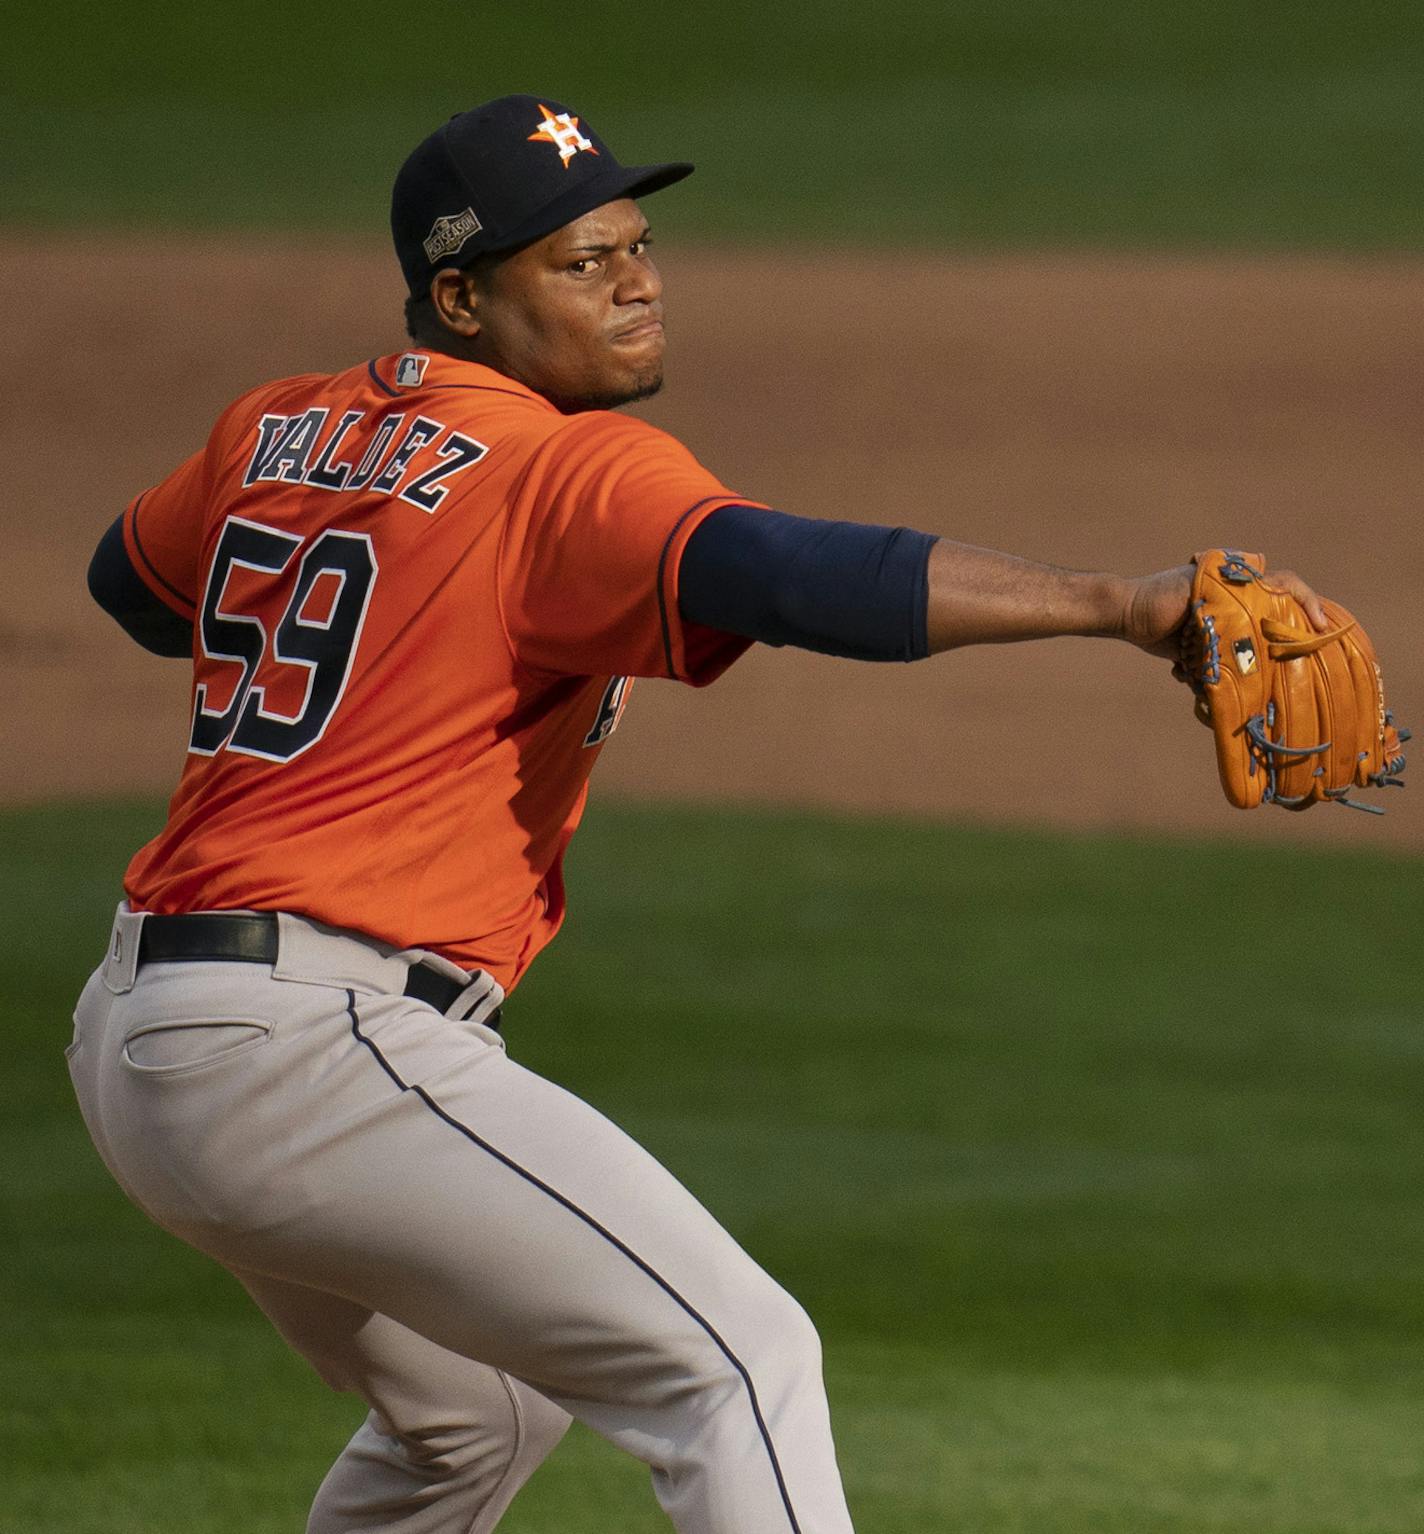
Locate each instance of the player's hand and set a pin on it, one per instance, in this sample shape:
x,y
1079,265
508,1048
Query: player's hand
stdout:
x,y
1155,607
1308,598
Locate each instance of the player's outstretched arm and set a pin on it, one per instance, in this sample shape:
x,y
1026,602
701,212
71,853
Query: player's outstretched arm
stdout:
x,y
882,593
979,596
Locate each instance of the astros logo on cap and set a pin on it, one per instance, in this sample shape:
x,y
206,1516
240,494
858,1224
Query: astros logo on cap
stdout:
x,y
563,133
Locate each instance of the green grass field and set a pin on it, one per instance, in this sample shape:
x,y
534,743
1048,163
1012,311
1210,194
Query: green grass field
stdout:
x,y
1117,122
1097,1161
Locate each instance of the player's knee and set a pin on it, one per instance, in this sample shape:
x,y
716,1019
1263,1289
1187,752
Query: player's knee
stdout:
x,y
541,1426
444,1449
774,1349
441,1453
789,1344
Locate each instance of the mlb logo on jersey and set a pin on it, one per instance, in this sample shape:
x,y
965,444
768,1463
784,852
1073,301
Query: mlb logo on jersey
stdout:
x,y
563,132
410,370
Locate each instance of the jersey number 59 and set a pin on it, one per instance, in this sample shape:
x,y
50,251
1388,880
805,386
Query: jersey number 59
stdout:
x,y
324,646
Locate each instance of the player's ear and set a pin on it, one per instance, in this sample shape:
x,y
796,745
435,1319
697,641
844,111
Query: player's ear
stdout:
x,y
452,292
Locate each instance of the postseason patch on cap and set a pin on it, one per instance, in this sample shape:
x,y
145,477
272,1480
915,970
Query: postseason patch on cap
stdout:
x,y
449,232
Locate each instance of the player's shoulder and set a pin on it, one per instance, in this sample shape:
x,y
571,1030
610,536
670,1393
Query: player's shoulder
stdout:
x,y
602,463
606,438
274,396
628,431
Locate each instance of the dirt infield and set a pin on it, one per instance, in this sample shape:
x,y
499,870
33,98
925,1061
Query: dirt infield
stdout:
x,y
1092,412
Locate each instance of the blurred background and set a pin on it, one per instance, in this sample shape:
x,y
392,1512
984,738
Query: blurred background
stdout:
x,y
1079,1109
1199,125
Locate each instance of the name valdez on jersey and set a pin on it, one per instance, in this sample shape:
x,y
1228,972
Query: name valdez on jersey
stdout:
x,y
292,449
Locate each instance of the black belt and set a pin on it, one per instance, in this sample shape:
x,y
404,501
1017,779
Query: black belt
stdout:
x,y
252,939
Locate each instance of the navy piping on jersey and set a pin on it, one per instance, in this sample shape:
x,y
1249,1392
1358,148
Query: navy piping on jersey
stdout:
x,y
143,555
662,572
593,1225
380,382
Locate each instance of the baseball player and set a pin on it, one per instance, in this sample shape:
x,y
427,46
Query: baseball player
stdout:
x,y
414,595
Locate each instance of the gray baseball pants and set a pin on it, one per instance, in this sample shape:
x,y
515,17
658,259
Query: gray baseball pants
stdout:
x,y
474,1251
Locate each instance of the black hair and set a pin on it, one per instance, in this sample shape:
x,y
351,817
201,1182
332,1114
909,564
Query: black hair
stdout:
x,y
422,324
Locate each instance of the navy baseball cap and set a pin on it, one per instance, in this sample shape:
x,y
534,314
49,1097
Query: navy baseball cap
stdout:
x,y
501,175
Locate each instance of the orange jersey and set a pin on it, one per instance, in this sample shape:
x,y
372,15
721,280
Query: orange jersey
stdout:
x,y
418,594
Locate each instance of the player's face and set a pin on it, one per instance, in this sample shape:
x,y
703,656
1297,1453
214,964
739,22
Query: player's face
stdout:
x,y
578,315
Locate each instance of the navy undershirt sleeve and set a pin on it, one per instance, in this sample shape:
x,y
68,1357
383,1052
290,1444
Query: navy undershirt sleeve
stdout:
x,y
116,587
843,588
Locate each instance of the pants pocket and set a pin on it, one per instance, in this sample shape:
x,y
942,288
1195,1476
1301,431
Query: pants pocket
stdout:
x,y
170,1048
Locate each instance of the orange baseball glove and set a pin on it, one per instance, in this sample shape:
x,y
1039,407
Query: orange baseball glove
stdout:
x,y
1299,716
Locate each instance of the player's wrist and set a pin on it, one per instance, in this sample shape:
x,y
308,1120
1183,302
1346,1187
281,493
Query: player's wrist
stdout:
x,y
1105,602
